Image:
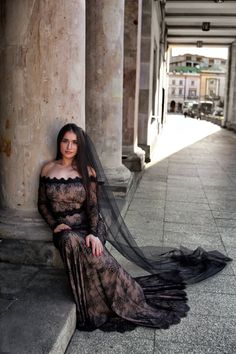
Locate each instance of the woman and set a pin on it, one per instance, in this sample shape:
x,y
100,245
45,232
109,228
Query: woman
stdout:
x,y
74,198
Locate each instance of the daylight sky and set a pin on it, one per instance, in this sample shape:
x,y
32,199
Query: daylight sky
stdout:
x,y
207,51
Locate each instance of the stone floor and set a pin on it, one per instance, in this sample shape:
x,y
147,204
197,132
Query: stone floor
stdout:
x,y
187,196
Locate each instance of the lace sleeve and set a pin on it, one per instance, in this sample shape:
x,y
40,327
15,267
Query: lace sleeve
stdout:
x,y
44,207
93,210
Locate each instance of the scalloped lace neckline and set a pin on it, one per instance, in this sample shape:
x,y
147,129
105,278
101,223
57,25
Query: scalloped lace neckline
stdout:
x,y
62,178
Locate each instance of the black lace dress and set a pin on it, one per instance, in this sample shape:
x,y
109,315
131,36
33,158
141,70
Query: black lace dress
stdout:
x,y
106,296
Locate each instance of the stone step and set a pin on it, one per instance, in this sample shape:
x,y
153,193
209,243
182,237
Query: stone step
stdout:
x,y
37,311
28,252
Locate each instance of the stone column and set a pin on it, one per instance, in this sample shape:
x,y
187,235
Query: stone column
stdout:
x,y
104,83
230,109
144,92
42,88
133,156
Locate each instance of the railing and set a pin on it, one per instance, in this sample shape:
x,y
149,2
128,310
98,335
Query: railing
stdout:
x,y
192,97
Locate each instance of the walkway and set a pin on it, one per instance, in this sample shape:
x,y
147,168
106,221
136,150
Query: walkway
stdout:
x,y
187,196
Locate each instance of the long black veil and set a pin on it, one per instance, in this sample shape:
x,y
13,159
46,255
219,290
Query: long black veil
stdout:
x,y
193,266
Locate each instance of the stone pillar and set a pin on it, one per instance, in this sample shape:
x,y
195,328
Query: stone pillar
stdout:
x,y
42,88
133,156
145,67
230,109
104,83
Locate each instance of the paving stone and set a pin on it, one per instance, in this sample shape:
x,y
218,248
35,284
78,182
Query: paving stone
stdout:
x,y
184,195
200,239
109,343
146,206
226,223
5,305
187,229
214,181
194,217
183,348
158,195
212,333
218,284
219,214
186,206
228,236
222,305
216,195
223,205
15,277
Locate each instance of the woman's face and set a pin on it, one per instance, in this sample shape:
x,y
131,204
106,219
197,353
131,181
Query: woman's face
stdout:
x,y
69,145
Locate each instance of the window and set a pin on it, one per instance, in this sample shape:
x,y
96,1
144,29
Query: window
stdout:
x,y
188,57
173,82
180,91
192,93
188,64
192,83
181,82
173,91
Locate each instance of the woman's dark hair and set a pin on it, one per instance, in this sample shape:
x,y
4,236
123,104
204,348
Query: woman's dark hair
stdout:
x,y
81,160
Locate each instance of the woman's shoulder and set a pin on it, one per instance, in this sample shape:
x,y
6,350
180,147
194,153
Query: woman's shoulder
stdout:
x,y
47,167
91,172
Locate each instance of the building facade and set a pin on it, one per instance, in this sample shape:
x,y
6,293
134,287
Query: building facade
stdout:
x,y
195,78
182,87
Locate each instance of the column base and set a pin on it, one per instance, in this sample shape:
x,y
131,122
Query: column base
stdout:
x,y
117,175
133,158
230,126
26,239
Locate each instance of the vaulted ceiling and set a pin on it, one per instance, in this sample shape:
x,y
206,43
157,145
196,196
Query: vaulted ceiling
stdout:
x,y
185,20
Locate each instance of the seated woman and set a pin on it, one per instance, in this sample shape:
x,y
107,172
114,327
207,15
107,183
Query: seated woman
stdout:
x,y
75,201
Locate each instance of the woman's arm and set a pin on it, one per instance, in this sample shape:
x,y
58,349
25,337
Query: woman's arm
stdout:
x,y
93,215
44,207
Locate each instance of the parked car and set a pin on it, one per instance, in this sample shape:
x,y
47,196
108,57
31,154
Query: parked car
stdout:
x,y
205,108
219,111
201,109
194,111
186,106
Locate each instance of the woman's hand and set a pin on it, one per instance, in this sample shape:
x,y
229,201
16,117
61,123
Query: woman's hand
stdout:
x,y
96,245
61,227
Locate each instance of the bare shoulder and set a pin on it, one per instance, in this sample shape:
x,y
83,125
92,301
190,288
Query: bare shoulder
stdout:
x,y
47,167
91,171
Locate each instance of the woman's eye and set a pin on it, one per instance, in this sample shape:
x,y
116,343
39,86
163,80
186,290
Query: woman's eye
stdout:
x,y
75,142
64,140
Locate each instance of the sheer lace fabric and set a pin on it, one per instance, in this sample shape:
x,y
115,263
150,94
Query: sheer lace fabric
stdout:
x,y
106,296
65,201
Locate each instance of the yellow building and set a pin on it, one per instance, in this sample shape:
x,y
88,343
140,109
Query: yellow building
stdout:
x,y
212,85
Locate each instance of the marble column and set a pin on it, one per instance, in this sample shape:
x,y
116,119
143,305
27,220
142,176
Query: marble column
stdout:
x,y
42,88
133,156
230,109
104,83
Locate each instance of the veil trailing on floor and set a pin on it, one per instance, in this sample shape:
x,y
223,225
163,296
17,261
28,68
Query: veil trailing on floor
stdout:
x,y
193,266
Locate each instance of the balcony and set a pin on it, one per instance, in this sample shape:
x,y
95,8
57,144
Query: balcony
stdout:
x,y
192,97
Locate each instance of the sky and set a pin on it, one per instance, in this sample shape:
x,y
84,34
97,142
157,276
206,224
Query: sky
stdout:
x,y
206,51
